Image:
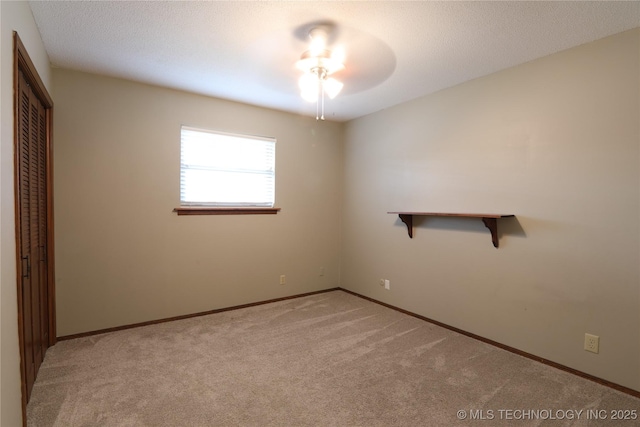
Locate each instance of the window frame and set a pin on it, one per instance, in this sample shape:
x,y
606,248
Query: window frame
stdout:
x,y
195,209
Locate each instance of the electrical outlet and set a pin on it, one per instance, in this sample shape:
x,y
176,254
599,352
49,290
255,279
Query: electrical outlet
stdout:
x,y
387,284
592,343
321,271
381,282
283,279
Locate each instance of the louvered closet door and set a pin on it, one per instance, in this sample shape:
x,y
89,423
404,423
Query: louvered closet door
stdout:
x,y
33,232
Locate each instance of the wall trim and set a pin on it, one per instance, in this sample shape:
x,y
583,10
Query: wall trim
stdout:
x,y
510,349
188,316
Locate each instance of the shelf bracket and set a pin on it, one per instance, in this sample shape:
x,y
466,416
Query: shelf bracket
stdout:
x,y
408,220
492,225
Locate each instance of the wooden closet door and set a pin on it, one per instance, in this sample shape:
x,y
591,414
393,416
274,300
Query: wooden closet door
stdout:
x,y
33,228
42,230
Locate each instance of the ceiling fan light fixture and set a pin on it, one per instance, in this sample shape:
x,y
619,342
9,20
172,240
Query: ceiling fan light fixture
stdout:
x,y
309,87
323,60
318,63
318,43
332,87
311,84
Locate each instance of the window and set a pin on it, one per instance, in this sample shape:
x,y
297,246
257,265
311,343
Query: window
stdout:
x,y
223,170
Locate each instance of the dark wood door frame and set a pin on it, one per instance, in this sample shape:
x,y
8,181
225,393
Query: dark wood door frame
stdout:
x,y
22,63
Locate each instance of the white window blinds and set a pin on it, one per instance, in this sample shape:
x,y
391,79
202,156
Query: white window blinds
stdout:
x,y
226,170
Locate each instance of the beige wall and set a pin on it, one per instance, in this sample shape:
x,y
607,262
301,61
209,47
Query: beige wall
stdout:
x,y
14,16
555,142
123,256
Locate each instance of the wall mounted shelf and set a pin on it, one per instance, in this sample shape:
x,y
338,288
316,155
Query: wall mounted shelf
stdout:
x,y
489,220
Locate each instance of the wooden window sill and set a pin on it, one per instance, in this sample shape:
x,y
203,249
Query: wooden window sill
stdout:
x,y
225,211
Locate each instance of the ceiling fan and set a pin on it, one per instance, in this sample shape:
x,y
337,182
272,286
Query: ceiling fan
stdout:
x,y
318,63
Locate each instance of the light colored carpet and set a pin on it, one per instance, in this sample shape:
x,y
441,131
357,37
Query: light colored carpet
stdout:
x,y
330,359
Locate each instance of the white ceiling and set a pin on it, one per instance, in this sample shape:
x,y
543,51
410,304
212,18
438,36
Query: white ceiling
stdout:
x,y
245,51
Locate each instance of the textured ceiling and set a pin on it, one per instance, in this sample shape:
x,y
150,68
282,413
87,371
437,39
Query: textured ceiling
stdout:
x,y
245,51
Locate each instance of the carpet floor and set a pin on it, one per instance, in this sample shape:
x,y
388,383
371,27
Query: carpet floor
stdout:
x,y
329,359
